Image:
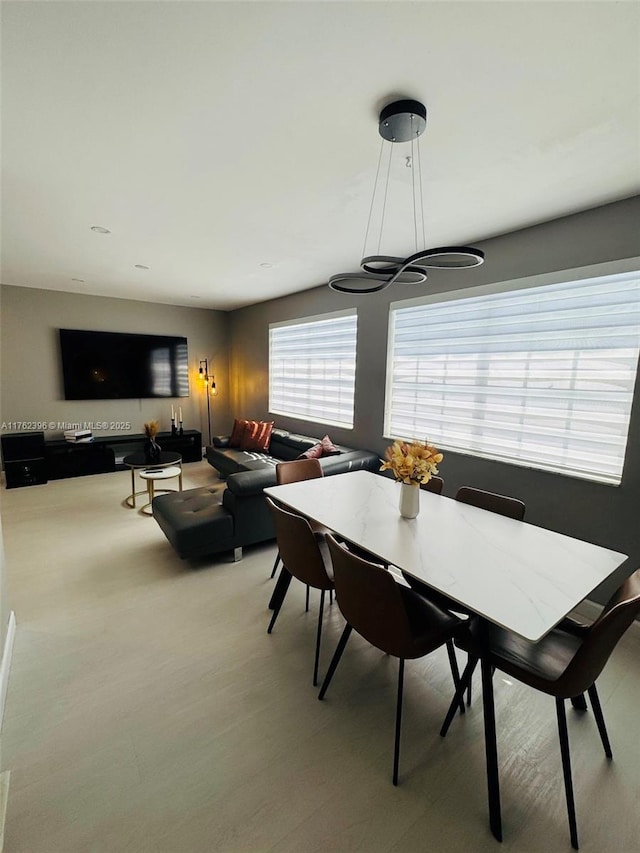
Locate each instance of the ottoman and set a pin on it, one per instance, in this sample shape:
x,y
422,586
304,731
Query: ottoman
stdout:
x,y
195,523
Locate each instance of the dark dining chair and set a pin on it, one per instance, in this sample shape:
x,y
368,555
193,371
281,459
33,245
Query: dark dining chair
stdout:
x,y
435,485
302,559
390,616
294,472
500,504
492,502
564,664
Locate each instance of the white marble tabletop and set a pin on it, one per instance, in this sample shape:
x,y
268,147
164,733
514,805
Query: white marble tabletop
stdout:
x,y
522,577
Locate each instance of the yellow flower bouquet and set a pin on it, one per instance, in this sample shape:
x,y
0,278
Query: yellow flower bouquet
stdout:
x,y
412,462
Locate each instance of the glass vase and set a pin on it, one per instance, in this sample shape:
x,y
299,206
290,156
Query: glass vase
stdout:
x,y
151,451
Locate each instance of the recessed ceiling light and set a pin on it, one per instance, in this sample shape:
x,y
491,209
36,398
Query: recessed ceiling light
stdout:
x,y
79,280
140,267
99,229
195,297
266,265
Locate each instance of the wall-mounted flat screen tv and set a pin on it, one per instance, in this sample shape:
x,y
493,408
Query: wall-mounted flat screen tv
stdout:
x,y
115,365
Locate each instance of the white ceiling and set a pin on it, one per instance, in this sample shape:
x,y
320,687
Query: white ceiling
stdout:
x,y
212,138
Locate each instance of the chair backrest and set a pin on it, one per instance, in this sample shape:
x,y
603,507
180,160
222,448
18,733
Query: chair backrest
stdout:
x,y
297,470
370,601
501,504
435,485
602,637
299,547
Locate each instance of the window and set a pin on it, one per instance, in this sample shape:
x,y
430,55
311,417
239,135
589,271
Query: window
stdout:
x,y
312,368
541,376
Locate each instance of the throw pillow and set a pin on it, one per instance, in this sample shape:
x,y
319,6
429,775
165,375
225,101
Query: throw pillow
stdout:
x,y
237,432
329,448
314,452
256,436
325,448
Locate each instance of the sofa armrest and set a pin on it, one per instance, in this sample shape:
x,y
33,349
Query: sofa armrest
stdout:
x,y
350,460
221,440
246,483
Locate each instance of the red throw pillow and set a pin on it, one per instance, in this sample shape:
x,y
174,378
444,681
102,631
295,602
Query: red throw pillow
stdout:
x,y
314,452
237,432
257,436
328,447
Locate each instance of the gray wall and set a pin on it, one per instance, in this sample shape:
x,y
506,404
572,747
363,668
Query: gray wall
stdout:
x,y
31,377
4,602
237,346
601,514
31,370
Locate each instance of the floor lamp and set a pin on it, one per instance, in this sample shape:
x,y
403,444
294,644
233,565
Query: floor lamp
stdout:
x,y
210,385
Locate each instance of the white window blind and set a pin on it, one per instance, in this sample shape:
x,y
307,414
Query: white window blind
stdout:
x,y
312,368
542,377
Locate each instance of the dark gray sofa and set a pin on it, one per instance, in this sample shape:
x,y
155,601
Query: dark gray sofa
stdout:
x,y
197,524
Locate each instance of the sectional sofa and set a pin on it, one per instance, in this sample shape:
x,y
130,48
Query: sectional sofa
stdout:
x,y
197,523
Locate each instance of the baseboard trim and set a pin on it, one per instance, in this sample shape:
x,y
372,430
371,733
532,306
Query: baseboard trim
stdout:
x,y
4,798
5,666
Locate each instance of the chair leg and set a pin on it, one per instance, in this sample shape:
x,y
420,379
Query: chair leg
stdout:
x,y
597,713
455,702
490,741
284,579
493,669
455,672
306,606
396,750
318,638
566,769
280,588
275,565
579,702
335,660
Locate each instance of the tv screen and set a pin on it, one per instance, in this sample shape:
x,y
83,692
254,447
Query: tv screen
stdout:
x,y
114,365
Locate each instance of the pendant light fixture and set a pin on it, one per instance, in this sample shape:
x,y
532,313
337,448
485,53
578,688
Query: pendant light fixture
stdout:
x,y
402,122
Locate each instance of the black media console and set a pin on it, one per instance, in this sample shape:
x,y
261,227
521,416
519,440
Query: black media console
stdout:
x,y
58,459
23,454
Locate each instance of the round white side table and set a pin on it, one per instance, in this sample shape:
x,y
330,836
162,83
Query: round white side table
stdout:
x,y
152,476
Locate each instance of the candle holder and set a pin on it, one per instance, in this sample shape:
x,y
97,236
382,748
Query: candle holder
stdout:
x,y
174,431
180,431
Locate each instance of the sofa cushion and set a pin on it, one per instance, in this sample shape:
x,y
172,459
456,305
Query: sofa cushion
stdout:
x,y
289,446
230,460
258,461
256,436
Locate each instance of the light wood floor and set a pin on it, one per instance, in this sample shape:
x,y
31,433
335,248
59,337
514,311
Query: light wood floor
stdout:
x,y
148,710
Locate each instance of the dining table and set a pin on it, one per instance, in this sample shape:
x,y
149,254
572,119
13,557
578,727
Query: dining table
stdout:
x,y
511,573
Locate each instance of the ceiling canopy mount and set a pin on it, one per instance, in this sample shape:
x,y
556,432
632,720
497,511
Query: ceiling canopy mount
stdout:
x,y
402,121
